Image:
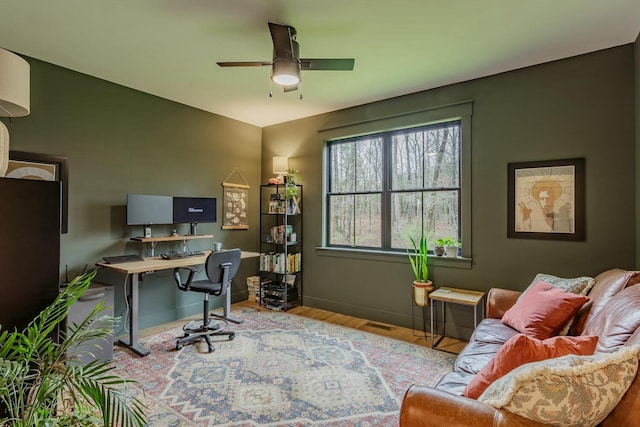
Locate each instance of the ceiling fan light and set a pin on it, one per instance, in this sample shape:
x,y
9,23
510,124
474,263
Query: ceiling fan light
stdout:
x,y
286,72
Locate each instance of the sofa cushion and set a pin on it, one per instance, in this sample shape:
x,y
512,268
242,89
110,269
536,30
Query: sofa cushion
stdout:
x,y
568,390
543,310
608,283
521,349
454,382
492,331
577,285
486,340
475,356
617,320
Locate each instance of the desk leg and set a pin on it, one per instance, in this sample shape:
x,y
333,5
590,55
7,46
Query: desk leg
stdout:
x,y
226,309
132,342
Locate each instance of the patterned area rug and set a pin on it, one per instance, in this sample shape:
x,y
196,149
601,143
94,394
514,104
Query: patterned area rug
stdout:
x,y
280,370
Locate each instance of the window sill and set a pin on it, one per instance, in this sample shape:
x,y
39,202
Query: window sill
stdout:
x,y
434,261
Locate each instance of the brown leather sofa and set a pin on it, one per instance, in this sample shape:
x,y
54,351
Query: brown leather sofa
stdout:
x,y
618,325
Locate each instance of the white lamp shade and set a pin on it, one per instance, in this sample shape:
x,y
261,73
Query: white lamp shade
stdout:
x,y
280,164
286,72
14,85
4,149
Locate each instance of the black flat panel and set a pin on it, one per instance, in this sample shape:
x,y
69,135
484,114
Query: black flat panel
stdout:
x,y
29,249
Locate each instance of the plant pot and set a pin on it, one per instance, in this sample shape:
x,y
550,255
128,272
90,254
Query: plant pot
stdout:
x,y
438,250
451,251
421,292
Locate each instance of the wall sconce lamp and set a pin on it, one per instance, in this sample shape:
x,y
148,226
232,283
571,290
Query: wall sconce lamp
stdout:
x,y
14,97
280,167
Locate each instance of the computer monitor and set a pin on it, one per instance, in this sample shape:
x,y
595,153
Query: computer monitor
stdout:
x,y
194,210
147,209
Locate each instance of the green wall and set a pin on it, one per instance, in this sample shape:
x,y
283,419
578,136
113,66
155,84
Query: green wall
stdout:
x,y
637,81
121,141
577,107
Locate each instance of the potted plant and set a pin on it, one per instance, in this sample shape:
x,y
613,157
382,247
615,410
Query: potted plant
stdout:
x,y
451,248
291,190
43,386
422,286
438,249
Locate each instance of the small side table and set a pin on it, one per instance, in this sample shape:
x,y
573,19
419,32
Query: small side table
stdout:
x,y
454,296
423,310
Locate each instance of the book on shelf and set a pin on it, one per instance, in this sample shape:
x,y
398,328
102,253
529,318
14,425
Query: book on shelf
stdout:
x,y
280,234
280,262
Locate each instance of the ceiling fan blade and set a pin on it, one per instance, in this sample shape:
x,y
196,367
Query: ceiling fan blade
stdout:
x,y
244,64
283,37
327,64
289,88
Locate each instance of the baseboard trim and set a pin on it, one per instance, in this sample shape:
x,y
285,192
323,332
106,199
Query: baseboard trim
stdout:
x,y
359,311
462,332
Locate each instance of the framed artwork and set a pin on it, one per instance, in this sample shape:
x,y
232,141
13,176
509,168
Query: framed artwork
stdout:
x,y
234,211
42,167
546,200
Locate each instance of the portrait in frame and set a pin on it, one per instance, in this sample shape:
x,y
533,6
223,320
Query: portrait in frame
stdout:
x,y
24,165
546,200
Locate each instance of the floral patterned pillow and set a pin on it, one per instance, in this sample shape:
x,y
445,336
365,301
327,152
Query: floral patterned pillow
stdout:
x,y
566,391
577,285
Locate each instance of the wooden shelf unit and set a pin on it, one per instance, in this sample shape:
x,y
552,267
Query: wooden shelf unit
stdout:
x,y
153,241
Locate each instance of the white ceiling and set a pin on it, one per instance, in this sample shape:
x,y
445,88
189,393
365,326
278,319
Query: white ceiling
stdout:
x,y
169,48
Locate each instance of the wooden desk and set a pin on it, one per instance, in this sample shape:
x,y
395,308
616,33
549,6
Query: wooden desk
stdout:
x,y
133,270
454,296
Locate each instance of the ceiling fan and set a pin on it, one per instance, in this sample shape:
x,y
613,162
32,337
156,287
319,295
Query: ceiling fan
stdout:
x,y
286,63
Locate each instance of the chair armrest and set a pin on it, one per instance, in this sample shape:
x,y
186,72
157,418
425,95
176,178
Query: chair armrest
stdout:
x,y
426,406
178,280
499,301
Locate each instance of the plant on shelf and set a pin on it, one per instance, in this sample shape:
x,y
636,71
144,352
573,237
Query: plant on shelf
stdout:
x,y
290,191
422,286
44,383
292,176
449,246
291,179
440,243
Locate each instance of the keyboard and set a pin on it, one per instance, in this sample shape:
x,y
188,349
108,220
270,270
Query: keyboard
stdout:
x,y
180,255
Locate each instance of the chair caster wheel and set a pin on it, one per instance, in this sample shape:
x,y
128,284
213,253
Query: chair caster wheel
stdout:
x,y
231,337
211,349
178,346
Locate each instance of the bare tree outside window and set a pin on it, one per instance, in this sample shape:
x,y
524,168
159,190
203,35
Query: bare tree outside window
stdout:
x,y
383,188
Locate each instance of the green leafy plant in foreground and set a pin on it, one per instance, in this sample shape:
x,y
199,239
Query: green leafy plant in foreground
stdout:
x,y
418,259
41,386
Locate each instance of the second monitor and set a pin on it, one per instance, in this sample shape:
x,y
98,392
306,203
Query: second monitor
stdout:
x,y
193,210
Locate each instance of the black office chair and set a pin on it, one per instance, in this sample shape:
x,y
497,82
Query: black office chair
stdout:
x,y
221,267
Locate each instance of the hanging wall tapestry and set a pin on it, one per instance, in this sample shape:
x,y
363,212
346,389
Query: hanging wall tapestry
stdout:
x,y
235,199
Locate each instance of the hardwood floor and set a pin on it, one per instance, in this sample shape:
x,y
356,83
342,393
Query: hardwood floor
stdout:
x,y
397,332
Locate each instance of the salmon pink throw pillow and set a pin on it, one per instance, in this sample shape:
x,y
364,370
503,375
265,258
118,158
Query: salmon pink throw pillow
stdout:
x,y
543,310
521,349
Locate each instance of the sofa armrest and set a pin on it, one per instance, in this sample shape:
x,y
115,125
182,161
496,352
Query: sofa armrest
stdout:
x,y
426,406
499,301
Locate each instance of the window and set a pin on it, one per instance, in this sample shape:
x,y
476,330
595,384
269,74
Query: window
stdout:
x,y
383,187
